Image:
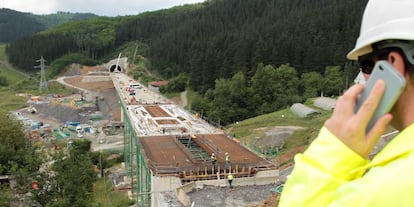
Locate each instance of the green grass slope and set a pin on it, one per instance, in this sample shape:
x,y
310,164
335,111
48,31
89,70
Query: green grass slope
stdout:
x,y
249,131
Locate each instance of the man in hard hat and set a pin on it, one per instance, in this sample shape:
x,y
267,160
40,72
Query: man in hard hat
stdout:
x,y
213,159
227,160
336,170
230,180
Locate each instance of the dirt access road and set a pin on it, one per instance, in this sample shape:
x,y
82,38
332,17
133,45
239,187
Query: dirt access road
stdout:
x,y
94,86
7,66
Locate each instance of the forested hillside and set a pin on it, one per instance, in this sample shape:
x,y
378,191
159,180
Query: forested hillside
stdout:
x,y
14,24
227,36
53,20
242,57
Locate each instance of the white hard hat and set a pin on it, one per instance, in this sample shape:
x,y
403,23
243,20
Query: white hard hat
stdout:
x,y
383,20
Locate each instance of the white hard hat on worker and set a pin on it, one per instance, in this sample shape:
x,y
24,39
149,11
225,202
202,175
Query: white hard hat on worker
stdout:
x,y
385,20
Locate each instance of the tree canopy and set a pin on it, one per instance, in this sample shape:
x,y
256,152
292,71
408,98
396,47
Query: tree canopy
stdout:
x,y
14,152
68,179
17,158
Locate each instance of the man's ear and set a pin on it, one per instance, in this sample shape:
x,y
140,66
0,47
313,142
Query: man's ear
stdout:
x,y
397,61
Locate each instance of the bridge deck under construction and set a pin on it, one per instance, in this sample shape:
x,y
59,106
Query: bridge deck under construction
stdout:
x,y
175,154
175,141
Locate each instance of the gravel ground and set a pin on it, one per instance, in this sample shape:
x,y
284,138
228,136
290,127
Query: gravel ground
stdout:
x,y
110,106
64,113
239,196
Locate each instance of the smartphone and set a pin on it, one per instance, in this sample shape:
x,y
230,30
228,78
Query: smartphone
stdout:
x,y
394,85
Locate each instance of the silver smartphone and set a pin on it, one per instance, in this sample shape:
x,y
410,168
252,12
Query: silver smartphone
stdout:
x,y
394,85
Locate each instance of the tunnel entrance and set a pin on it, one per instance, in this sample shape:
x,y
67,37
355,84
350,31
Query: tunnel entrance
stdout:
x,y
115,68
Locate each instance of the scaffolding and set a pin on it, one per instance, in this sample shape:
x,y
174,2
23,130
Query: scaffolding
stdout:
x,y
197,153
135,163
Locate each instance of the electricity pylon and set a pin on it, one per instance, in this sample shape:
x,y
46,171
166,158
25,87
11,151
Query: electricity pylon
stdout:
x,y
43,81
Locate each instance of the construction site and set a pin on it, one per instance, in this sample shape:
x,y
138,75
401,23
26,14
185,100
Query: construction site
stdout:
x,y
167,149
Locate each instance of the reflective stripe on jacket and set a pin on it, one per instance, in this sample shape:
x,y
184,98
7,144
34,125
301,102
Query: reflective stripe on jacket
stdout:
x,y
328,173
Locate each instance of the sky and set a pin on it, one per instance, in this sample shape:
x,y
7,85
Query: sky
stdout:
x,y
99,7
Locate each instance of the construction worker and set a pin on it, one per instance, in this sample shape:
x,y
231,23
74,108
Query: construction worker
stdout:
x,y
336,169
227,159
230,179
213,159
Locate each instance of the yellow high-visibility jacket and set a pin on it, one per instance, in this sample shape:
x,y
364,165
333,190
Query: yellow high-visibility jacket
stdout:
x,y
328,173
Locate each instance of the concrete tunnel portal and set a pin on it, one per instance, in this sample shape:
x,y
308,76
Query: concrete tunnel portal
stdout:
x,y
115,68
118,65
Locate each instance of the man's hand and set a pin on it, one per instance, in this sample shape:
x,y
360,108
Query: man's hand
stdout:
x,y
350,127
